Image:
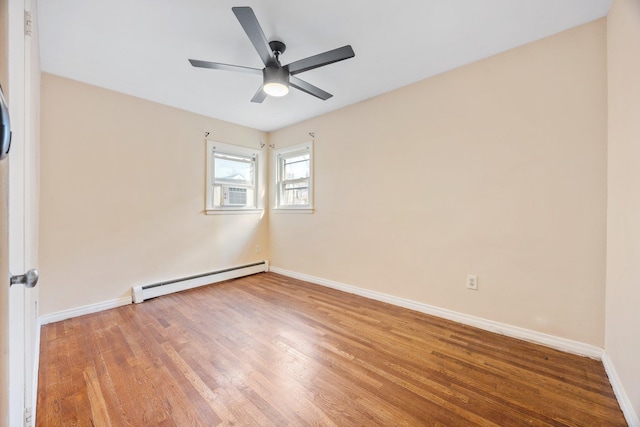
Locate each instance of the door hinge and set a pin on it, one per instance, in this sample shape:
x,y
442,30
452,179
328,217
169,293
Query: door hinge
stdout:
x,y
28,417
28,23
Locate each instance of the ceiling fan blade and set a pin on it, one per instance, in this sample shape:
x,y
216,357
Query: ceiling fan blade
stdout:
x,y
309,88
326,58
225,67
259,96
252,27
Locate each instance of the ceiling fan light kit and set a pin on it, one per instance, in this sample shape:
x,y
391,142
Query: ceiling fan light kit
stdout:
x,y
277,78
276,81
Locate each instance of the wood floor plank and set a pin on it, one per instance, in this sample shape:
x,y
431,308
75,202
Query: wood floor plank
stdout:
x,y
268,350
99,413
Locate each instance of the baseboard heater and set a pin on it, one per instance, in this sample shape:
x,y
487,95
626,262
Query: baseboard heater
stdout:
x,y
142,293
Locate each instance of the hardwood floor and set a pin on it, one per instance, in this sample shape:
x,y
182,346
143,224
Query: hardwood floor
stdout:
x,y
267,350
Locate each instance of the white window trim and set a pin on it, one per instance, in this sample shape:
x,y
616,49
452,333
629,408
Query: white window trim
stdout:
x,y
233,150
301,210
233,211
306,209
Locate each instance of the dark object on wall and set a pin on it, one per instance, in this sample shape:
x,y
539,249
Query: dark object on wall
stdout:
x,y
276,78
5,128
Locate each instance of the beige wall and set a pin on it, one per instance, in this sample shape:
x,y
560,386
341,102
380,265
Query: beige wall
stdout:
x,y
122,196
623,226
496,169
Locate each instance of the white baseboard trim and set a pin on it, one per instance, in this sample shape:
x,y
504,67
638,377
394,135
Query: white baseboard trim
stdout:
x,y
557,343
81,311
623,399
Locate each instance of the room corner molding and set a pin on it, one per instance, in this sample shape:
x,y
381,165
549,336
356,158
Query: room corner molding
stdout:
x,y
551,341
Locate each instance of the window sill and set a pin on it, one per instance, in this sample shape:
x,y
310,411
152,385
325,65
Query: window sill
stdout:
x,y
293,210
233,211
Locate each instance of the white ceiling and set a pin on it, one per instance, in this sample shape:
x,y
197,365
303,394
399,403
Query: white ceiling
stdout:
x,y
141,47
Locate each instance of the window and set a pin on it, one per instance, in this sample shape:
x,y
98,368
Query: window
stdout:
x,y
232,178
294,177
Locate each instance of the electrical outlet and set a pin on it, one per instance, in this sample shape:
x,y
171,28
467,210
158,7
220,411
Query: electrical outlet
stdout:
x,y
257,249
472,282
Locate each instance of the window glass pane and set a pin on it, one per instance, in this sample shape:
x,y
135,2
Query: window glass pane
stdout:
x,y
237,171
295,193
296,167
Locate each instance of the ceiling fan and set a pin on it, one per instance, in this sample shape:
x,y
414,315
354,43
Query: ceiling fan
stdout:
x,y
276,77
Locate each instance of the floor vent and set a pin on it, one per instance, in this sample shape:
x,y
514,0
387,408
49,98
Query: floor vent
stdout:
x,y
143,293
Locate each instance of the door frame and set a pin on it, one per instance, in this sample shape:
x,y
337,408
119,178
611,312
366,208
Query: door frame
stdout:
x,y
4,232
22,321
15,100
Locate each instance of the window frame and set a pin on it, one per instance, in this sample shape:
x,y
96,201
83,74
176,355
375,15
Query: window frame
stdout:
x,y
279,156
231,151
